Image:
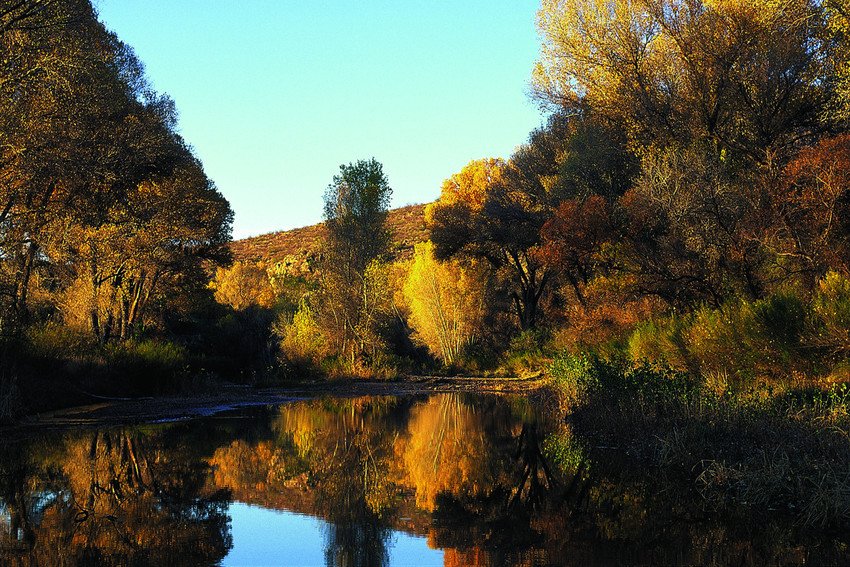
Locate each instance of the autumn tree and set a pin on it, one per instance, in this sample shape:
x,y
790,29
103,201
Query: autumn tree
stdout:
x,y
690,226
49,53
839,26
354,291
446,301
243,284
101,197
573,238
812,232
751,78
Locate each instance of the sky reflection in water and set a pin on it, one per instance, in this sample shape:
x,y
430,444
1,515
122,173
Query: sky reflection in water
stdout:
x,y
269,537
446,479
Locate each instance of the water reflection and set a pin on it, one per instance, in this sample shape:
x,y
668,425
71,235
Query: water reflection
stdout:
x,y
478,480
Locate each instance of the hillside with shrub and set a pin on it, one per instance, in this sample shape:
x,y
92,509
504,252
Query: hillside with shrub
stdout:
x,y
301,246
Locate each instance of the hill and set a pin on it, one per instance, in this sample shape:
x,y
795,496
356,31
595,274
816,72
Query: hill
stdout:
x,y
297,247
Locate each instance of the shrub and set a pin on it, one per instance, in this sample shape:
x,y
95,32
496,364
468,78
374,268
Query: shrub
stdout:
x,y
302,339
831,314
660,342
527,351
148,366
52,341
716,343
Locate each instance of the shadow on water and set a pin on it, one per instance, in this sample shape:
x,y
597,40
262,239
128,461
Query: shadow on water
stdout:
x,y
458,479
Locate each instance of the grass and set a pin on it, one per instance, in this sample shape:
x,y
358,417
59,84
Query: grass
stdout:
x,y
746,455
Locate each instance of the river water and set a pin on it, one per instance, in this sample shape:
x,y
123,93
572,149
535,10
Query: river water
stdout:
x,y
446,479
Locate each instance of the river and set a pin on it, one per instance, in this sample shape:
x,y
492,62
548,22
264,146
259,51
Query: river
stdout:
x,y
444,479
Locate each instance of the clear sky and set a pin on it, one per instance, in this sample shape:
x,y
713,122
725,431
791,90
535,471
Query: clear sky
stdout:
x,y
275,94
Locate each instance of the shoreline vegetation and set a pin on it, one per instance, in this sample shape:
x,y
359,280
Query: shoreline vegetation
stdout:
x,y
671,248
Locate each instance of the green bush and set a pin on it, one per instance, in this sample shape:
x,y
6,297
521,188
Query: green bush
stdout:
x,y
147,366
527,351
660,342
52,341
743,345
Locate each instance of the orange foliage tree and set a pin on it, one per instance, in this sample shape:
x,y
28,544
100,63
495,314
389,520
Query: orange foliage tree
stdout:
x,y
813,206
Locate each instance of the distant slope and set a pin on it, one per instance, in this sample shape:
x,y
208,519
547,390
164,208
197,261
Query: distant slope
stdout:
x,y
297,246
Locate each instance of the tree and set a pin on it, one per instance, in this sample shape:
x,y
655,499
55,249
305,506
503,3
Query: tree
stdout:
x,y
572,239
839,26
446,301
751,78
242,285
95,183
812,203
689,228
500,224
356,238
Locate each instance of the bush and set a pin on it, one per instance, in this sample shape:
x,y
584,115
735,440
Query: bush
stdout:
x,y
743,345
147,366
302,340
52,341
831,314
660,342
527,351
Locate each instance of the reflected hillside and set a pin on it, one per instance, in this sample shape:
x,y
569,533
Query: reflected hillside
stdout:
x,y
488,480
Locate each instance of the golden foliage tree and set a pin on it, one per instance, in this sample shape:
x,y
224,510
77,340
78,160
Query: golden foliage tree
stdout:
x,y
243,284
446,301
749,77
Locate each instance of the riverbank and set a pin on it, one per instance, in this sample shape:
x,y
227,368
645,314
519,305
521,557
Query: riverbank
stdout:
x,y
745,455
121,411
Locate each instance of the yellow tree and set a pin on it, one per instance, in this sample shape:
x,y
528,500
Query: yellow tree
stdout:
x,y
446,302
839,21
470,184
751,78
241,285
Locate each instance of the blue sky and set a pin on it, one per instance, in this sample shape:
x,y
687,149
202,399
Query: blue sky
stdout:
x,y
275,94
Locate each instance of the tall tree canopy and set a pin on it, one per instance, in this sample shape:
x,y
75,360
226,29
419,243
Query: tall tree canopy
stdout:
x,y
102,205
356,205
752,78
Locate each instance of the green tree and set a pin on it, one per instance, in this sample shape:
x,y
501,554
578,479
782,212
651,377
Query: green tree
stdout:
x,y
356,239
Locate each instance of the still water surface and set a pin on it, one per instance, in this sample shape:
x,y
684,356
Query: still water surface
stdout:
x,y
447,479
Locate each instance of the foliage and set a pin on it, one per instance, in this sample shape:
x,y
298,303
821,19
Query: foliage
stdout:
x,y
669,71
743,344
354,295
500,225
446,303
302,338
527,351
108,222
813,203
241,285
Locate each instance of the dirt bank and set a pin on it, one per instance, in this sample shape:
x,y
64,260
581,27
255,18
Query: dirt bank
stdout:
x,y
164,409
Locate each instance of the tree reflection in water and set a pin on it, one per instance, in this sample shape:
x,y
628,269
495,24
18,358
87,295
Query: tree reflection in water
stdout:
x,y
491,480
109,498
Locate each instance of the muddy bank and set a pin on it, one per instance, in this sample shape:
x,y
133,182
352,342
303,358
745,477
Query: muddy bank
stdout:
x,y
173,408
